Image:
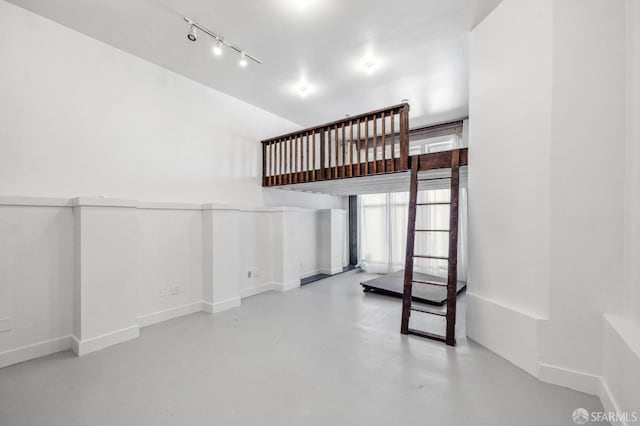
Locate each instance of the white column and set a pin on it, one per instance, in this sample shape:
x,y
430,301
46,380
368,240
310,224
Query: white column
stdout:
x,y
105,273
332,225
222,258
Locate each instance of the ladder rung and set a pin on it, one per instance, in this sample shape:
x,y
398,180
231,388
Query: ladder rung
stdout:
x,y
422,256
429,283
426,335
433,204
427,311
432,230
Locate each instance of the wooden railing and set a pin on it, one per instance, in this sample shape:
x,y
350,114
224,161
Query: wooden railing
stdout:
x,y
362,145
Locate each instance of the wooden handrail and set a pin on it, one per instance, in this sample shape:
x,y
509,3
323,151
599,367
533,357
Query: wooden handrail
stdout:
x,y
332,124
327,151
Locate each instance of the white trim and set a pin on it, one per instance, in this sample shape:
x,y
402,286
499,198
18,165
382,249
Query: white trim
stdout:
x,y
286,286
7,200
225,305
508,331
572,379
83,347
153,205
628,331
252,291
103,202
34,350
168,314
98,201
608,401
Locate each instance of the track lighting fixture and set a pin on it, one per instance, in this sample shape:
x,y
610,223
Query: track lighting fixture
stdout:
x,y
192,36
217,49
243,59
220,43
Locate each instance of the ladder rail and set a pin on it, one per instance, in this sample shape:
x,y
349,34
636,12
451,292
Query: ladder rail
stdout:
x,y
452,278
411,227
452,258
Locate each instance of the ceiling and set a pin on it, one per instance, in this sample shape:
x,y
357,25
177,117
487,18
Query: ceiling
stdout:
x,y
419,47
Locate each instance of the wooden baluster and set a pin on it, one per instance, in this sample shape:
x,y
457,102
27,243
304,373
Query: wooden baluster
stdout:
x,y
284,161
264,164
295,159
358,147
273,163
366,146
280,162
337,141
301,165
375,144
288,156
313,155
384,143
308,160
323,151
404,137
351,148
344,156
393,141
290,165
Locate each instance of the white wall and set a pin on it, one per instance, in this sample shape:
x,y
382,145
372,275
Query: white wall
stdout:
x,y
170,254
547,187
79,117
36,279
88,272
587,175
621,359
631,304
509,190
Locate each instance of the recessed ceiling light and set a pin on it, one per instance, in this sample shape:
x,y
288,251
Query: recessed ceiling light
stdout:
x,y
303,91
369,67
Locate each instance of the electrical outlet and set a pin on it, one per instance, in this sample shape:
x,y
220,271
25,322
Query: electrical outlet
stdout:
x,y
5,325
163,291
175,289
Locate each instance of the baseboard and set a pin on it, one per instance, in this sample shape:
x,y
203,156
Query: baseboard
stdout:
x,y
225,305
330,271
86,346
289,285
608,401
572,379
506,330
35,350
308,274
257,290
168,314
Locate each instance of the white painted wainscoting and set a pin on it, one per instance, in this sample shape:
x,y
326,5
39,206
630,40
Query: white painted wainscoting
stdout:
x,y
88,272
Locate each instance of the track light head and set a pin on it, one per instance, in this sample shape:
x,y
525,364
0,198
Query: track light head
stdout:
x,y
192,36
217,49
243,60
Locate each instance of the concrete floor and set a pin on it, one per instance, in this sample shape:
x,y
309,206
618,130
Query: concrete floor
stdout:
x,y
324,354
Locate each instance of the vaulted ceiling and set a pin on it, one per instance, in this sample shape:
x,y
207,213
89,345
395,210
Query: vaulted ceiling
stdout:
x,y
419,49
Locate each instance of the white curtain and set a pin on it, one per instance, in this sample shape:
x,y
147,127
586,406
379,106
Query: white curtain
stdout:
x,y
383,231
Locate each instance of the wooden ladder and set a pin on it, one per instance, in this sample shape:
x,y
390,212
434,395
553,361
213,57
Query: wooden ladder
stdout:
x,y
452,279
